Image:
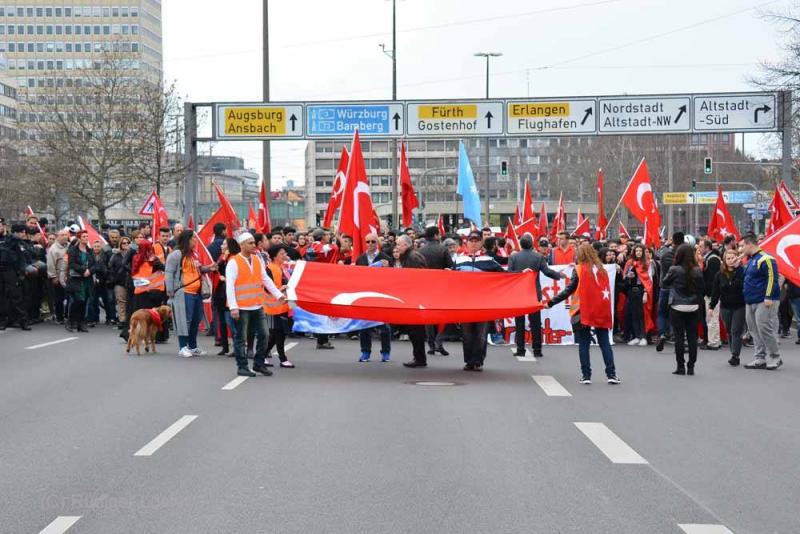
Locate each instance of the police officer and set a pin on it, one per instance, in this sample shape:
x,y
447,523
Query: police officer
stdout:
x,y
13,253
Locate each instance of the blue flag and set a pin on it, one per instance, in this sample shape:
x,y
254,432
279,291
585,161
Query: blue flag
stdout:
x,y
305,321
467,188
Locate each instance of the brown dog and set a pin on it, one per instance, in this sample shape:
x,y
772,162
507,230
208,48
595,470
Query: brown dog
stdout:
x,y
144,325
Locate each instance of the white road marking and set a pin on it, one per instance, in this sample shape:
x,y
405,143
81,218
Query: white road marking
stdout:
x,y
60,524
233,384
287,348
551,386
165,436
527,358
694,528
610,444
56,342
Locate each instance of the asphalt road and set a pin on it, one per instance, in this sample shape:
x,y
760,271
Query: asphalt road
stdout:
x,y
337,446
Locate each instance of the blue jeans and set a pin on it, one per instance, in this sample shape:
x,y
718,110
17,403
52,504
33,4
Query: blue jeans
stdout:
x,y
106,296
584,338
194,311
248,319
664,322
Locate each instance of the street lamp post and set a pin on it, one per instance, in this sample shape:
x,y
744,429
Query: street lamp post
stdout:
x,y
487,189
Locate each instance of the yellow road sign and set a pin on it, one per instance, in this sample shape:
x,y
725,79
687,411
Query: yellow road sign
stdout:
x,y
262,121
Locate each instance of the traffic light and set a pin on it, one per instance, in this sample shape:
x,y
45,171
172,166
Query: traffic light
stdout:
x,y
504,168
707,166
694,184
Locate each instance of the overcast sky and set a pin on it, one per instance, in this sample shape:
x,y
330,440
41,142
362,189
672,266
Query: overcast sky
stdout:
x,y
329,50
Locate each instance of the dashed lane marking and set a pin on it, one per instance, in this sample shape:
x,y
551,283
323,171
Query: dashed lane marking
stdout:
x,y
551,386
287,348
610,444
60,524
694,528
233,384
160,440
56,342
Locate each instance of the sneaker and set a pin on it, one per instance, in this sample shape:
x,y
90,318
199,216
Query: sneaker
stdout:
x,y
660,344
385,356
444,352
614,380
324,346
734,361
197,351
520,353
185,352
268,362
758,363
585,380
490,340
287,365
634,341
364,357
774,363
245,372
643,342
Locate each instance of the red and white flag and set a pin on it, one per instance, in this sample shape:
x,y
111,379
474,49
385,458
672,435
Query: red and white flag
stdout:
x,y
784,246
251,216
190,223
206,233
622,231
527,203
517,217
357,217
779,212
640,199
582,227
93,234
335,202
511,236
160,217
230,218
602,222
541,230
407,195
788,197
528,227
560,220
263,224
721,224
440,223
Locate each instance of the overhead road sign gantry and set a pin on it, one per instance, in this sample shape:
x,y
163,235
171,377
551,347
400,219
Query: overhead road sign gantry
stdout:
x,y
258,121
341,119
645,114
551,117
455,118
742,112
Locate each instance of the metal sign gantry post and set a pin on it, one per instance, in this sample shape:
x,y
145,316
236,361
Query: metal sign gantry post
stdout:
x,y
505,117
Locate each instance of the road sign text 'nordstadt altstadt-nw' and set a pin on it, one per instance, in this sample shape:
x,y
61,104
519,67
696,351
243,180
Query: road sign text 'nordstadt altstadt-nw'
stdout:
x,y
531,117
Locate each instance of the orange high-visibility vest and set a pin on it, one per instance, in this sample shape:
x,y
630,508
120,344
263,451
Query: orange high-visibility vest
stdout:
x,y
273,307
145,279
248,288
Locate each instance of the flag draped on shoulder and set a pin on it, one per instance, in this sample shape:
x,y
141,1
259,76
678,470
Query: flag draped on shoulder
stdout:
x,y
784,246
409,198
357,218
594,296
335,202
721,224
467,187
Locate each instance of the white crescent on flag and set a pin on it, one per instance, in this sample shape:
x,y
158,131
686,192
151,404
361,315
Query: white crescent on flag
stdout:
x,y
786,242
347,299
640,191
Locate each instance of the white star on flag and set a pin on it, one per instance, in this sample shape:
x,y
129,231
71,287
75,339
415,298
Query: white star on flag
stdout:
x,y
606,294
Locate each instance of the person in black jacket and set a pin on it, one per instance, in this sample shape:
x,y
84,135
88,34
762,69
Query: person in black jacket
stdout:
x,y
728,291
215,248
117,278
436,257
686,296
711,266
80,270
528,259
408,258
371,257
99,291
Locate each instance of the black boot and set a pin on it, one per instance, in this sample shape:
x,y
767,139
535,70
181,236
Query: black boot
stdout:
x,y
690,369
82,328
69,327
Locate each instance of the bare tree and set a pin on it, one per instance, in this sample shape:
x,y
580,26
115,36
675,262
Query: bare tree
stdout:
x,y
87,131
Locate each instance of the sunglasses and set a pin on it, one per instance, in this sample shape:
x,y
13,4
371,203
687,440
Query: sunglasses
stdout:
x,y
371,241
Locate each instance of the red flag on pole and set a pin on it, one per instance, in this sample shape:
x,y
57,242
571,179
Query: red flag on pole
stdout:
x,y
528,227
511,236
721,224
527,203
440,223
783,246
357,218
231,220
582,227
788,197
262,217
160,217
252,218
602,222
622,231
541,230
639,198
94,235
517,217
560,220
206,234
190,223
779,212
335,202
409,198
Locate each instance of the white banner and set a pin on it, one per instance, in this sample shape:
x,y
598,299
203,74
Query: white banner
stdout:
x,y
556,325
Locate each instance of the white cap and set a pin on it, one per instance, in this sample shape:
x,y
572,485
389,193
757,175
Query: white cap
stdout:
x,y
244,236
74,228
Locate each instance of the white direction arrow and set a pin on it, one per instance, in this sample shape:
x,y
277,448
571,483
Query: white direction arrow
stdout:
x,y
548,117
459,119
651,114
735,112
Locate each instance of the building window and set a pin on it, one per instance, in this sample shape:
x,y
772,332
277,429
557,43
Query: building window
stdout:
x,y
435,146
379,146
48,12
324,164
380,163
58,12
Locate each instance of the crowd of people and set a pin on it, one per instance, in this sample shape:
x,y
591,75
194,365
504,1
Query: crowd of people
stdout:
x,y
690,293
